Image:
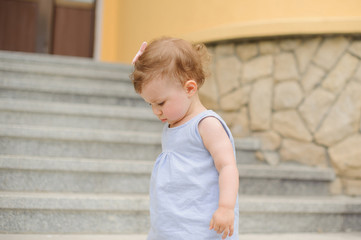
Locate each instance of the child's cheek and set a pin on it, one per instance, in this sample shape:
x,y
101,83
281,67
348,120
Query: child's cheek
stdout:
x,y
174,112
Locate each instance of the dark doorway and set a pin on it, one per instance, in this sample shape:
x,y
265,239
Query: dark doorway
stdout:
x,y
62,27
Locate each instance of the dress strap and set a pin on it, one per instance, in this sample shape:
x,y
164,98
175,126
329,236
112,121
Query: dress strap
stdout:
x,y
211,113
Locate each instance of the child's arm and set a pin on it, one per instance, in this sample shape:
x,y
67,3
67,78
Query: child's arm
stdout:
x,y
217,142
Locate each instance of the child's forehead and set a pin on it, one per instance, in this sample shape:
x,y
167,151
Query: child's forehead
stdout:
x,y
164,81
153,89
156,89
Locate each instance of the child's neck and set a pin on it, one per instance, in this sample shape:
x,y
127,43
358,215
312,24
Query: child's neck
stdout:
x,y
195,108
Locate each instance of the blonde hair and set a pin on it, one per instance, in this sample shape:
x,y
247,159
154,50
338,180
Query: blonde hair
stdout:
x,y
171,59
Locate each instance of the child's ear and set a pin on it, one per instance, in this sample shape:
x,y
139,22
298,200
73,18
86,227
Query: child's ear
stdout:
x,y
191,87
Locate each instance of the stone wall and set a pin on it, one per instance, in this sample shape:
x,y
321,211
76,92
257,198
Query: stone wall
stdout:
x,y
300,96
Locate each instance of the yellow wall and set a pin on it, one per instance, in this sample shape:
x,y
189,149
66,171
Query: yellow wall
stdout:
x,y
111,32
127,23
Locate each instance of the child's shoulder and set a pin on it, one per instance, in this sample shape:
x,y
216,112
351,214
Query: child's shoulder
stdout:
x,y
211,126
211,121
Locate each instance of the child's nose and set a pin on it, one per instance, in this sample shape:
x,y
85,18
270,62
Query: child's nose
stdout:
x,y
156,110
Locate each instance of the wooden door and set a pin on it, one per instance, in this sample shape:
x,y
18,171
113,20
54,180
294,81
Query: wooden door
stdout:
x,y
73,32
18,25
63,27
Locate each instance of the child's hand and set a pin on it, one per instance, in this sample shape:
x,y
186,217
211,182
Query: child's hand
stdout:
x,y
223,221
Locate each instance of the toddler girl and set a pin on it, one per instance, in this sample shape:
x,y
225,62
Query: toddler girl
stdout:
x,y
194,183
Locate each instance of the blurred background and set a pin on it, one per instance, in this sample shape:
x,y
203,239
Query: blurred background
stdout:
x,y
112,30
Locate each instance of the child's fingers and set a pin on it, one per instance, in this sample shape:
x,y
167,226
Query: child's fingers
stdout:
x,y
221,229
211,226
231,230
217,228
225,233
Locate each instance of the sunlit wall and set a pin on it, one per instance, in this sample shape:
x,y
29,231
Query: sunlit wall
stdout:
x,y
127,23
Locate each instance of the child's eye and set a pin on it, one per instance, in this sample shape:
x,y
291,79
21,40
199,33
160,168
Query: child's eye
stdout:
x,y
161,104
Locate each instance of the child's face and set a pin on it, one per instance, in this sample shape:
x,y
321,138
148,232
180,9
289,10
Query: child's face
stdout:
x,y
169,100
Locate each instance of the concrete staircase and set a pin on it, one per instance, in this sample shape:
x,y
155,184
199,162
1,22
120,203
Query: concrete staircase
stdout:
x,y
77,147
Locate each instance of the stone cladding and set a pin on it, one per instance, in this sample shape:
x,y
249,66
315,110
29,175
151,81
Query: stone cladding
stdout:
x,y
301,96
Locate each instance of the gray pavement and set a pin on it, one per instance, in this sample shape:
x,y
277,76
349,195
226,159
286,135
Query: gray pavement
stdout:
x,y
288,236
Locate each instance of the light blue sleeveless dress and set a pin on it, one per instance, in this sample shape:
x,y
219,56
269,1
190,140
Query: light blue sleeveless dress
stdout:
x,y
184,190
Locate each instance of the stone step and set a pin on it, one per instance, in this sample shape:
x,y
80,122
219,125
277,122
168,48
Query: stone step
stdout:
x,y
87,143
273,236
42,81
62,66
36,174
35,113
300,214
73,213
284,180
20,86
45,174
78,143
51,58
60,213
